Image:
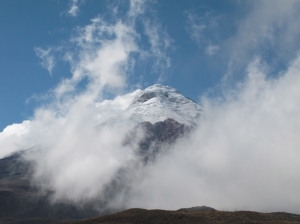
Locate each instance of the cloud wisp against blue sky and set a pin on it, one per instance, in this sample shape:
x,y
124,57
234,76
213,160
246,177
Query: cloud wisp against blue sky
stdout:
x,y
74,8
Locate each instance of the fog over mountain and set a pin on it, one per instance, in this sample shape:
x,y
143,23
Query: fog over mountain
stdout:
x,y
241,155
238,151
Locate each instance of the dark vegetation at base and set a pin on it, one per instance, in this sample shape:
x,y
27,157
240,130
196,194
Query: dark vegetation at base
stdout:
x,y
137,216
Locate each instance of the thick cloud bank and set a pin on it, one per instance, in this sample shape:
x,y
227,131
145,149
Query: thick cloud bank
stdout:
x,y
244,154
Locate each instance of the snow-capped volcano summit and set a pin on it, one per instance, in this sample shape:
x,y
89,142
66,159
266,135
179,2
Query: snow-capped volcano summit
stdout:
x,y
158,102
153,104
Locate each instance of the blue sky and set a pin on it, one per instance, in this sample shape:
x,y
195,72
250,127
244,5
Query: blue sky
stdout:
x,y
209,43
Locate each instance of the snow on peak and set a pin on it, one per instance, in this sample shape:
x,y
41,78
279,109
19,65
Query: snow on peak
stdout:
x,y
158,102
153,104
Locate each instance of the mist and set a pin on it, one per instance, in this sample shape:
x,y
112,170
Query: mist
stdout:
x,y
243,155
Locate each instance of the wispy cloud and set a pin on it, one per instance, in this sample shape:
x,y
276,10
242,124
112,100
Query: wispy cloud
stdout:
x,y
47,56
212,49
196,27
161,44
137,7
268,30
74,8
104,50
203,30
265,29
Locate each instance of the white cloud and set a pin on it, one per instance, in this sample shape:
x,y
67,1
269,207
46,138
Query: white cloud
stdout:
x,y
74,8
196,28
104,61
161,44
48,61
137,7
13,137
212,49
71,144
266,29
269,30
243,156
203,29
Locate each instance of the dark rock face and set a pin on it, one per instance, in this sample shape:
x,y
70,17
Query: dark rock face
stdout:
x,y
151,138
145,97
166,131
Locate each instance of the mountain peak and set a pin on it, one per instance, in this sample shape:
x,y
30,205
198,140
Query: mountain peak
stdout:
x,y
161,88
158,103
156,90
153,104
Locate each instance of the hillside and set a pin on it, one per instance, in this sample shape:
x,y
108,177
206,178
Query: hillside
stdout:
x,y
136,216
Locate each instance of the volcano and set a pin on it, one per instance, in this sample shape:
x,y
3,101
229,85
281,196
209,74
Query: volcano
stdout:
x,y
158,115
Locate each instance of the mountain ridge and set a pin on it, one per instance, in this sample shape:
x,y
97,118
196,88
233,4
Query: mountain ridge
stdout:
x,y
158,216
